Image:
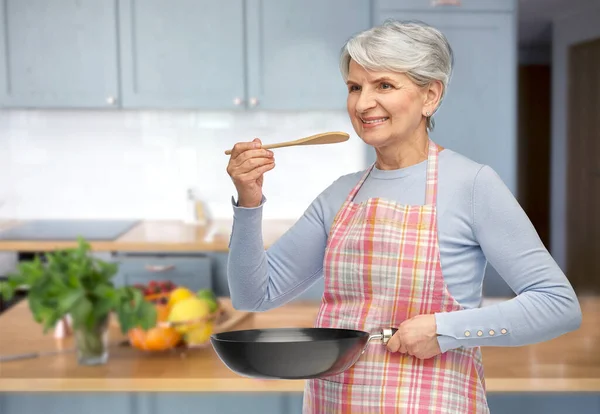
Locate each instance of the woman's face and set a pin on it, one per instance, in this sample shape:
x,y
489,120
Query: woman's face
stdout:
x,y
385,107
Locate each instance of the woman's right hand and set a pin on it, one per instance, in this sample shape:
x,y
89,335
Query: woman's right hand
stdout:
x,y
247,164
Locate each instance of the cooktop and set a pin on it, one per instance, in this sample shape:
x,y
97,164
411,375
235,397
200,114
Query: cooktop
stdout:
x,y
98,230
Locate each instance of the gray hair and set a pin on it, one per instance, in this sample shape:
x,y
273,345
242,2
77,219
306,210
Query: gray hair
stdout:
x,y
411,47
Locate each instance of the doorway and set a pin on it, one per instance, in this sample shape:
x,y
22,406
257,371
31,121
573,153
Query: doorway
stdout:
x,y
534,130
583,168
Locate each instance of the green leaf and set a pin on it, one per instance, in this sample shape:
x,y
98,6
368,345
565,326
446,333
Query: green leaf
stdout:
x,y
37,308
7,291
107,270
147,315
137,297
68,300
80,313
125,319
104,298
45,314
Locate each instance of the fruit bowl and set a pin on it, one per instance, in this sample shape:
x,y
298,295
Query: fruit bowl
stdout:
x,y
174,326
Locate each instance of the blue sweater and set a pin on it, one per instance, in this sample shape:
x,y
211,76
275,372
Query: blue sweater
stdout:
x,y
479,221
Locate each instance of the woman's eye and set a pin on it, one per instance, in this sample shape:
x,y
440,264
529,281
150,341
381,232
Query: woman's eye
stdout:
x,y
353,88
386,86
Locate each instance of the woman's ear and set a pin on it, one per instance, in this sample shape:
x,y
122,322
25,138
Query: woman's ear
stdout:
x,y
433,95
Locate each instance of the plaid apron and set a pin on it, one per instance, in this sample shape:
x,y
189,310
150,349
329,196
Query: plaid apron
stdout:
x,y
382,267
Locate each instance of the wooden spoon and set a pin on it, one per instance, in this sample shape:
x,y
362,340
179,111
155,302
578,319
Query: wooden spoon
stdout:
x,y
319,139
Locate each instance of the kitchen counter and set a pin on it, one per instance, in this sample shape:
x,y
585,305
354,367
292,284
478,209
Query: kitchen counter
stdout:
x,y
163,236
567,364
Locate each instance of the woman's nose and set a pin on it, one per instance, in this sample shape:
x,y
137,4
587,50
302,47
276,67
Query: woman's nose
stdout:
x,y
365,102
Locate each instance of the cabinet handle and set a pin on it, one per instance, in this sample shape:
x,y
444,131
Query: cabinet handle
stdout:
x,y
253,102
436,3
157,268
111,100
238,101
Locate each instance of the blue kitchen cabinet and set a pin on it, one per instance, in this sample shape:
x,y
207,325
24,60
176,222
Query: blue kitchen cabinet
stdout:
x,y
257,54
142,403
192,270
294,49
67,403
203,402
477,117
219,275
59,54
187,54
544,402
458,6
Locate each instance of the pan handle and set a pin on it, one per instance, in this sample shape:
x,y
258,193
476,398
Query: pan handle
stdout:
x,y
384,336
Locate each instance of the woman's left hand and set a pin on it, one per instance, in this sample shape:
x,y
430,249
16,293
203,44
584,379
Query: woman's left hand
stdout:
x,y
417,337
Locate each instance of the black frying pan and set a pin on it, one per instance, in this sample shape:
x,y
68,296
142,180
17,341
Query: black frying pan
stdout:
x,y
293,353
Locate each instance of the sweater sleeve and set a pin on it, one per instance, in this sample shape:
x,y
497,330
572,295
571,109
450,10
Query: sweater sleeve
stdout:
x,y
545,305
261,279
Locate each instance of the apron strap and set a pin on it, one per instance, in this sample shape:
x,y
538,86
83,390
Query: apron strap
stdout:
x,y
356,188
432,174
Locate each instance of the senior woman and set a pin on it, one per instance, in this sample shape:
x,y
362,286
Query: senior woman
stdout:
x,y
403,243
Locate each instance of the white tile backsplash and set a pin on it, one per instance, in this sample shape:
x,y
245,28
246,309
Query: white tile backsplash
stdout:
x,y
138,164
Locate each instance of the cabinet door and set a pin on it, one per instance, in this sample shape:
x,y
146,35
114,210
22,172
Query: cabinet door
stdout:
x,y
58,54
294,49
477,117
64,403
206,402
187,54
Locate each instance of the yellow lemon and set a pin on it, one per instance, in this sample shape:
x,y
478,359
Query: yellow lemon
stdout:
x,y
199,335
187,310
179,294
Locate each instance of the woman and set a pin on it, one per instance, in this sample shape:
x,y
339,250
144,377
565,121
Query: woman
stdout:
x,y
381,238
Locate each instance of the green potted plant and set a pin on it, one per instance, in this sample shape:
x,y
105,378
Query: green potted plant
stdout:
x,y
71,282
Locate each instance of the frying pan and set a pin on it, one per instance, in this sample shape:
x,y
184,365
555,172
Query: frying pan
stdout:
x,y
293,353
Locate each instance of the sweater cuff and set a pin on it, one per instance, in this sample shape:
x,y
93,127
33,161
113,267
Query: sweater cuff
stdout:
x,y
448,337
239,212
447,343
464,329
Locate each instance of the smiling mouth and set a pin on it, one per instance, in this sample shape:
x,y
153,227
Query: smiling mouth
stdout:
x,y
374,121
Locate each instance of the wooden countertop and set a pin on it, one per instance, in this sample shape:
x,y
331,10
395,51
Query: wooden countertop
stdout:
x,y
570,363
156,236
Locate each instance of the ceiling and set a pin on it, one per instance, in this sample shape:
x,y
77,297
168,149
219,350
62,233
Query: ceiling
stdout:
x,y
536,16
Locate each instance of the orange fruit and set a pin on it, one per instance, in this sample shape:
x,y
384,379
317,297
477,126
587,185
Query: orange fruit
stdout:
x,y
154,339
157,338
162,313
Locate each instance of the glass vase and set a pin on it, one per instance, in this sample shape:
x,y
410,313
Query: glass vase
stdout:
x,y
92,343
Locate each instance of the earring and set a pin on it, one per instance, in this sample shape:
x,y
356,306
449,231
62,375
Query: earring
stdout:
x,y
428,113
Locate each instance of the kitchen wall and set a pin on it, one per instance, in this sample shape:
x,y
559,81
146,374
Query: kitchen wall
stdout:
x,y
138,164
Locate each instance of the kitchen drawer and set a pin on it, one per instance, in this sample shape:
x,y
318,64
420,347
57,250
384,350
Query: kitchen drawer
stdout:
x,y
449,5
193,272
